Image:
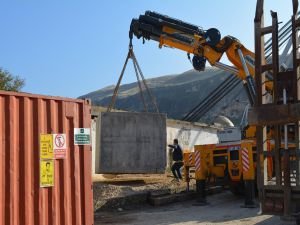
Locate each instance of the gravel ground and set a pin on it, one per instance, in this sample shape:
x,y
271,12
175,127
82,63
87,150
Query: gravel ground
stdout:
x,y
122,200
115,192
224,208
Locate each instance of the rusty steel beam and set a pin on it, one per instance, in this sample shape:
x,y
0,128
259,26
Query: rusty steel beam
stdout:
x,y
266,67
260,130
275,57
274,114
295,7
295,57
259,11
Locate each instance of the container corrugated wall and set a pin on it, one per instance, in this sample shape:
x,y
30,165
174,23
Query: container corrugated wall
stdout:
x,y
23,117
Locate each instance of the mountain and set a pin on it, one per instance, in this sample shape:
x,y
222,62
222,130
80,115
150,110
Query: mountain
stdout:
x,y
176,95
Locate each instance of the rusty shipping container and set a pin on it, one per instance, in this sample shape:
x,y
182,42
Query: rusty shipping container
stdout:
x,y
23,117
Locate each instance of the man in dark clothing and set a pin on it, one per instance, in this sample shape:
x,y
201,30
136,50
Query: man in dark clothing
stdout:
x,y
177,158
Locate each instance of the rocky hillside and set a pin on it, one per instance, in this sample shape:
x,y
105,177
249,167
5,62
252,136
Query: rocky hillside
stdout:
x,y
176,95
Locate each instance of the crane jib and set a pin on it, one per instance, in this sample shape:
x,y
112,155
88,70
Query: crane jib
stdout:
x,y
180,23
146,24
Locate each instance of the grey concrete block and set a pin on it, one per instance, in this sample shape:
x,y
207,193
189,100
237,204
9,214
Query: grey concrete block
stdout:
x,y
131,143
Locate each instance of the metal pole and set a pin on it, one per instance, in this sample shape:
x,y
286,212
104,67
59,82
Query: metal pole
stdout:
x,y
243,62
250,82
225,67
285,126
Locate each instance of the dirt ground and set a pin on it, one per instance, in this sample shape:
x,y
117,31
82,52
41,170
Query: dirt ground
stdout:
x,y
223,208
122,199
109,190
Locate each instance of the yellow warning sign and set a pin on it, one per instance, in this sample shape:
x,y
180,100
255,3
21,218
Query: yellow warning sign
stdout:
x,y
46,146
46,173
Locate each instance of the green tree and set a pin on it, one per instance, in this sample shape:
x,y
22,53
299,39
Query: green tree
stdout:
x,y
9,82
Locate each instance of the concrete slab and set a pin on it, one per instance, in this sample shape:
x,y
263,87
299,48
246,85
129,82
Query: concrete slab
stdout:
x,y
129,142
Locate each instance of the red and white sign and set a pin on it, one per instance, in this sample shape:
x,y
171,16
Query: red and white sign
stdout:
x,y
59,146
197,161
190,159
245,159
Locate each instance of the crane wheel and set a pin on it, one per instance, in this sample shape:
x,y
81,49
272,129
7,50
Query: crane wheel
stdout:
x,y
199,63
212,36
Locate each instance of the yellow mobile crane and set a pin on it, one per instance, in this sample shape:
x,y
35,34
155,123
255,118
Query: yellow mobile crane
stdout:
x,y
204,45
207,45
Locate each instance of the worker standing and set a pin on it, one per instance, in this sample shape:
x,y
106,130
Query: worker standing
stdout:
x,y
177,158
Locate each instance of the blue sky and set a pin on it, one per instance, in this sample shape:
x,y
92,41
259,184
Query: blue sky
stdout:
x,y
69,48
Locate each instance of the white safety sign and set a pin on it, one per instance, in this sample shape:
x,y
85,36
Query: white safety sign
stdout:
x,y
82,136
59,146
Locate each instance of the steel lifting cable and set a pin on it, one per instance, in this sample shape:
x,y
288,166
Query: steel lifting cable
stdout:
x,y
281,40
190,114
140,86
144,82
113,99
138,72
284,34
281,43
218,98
210,98
190,117
283,31
286,28
214,99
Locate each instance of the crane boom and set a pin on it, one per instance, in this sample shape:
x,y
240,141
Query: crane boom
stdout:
x,y
205,45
